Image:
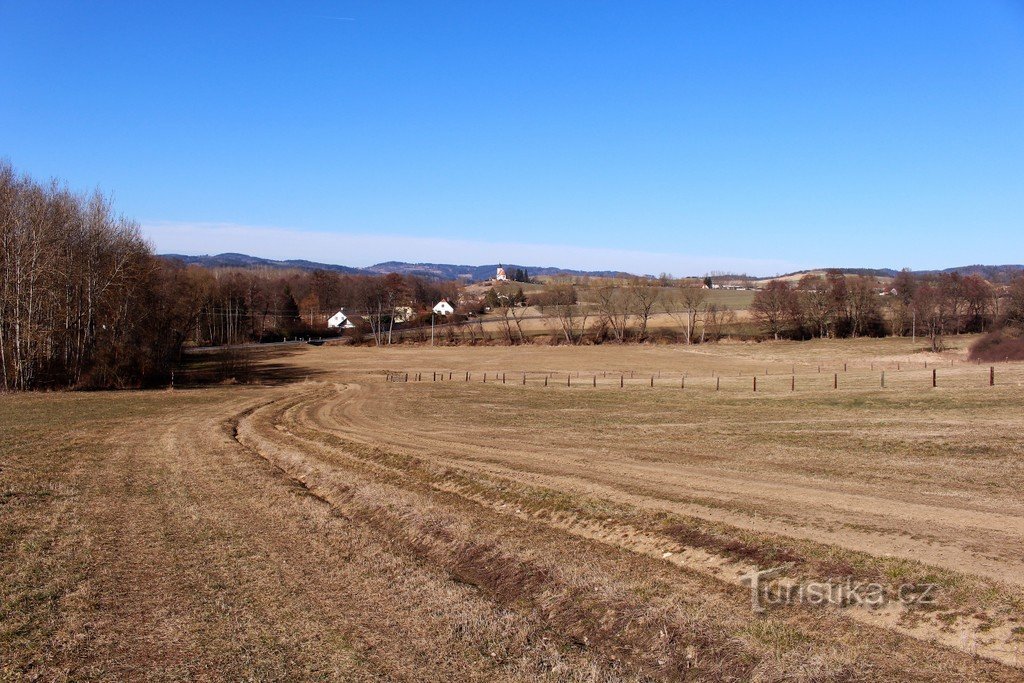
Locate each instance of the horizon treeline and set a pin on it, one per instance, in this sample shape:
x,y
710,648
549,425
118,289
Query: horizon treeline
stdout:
x,y
836,305
85,303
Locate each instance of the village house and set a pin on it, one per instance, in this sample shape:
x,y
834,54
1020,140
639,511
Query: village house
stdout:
x,y
339,321
444,307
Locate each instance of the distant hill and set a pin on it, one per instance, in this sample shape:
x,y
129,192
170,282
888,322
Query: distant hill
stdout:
x,y
449,271
434,271
992,273
231,260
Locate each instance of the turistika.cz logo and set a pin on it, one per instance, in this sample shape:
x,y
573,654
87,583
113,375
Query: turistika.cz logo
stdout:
x,y
766,593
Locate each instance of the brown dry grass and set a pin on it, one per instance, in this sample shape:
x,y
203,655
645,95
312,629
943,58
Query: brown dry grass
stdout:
x,y
349,528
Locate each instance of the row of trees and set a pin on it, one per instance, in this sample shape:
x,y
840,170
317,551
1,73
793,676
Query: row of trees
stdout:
x,y
85,303
840,306
244,305
622,312
77,290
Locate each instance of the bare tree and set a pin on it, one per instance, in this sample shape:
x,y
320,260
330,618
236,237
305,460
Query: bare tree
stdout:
x,y
773,307
716,322
642,295
693,300
613,307
571,316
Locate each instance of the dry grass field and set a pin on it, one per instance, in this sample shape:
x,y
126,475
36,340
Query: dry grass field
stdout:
x,y
332,521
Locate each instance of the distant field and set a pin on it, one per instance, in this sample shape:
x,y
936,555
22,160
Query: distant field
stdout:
x,y
538,321
327,523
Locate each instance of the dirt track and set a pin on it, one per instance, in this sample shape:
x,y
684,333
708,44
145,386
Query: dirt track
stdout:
x,y
349,528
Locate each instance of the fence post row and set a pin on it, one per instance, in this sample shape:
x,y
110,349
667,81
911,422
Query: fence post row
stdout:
x,y
436,376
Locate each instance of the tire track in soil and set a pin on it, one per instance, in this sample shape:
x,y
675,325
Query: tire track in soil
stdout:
x,y
301,453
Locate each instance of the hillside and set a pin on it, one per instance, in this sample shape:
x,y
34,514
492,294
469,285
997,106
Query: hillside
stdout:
x,y
991,273
436,271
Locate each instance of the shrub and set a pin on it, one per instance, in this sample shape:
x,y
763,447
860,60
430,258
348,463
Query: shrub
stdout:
x,y
998,346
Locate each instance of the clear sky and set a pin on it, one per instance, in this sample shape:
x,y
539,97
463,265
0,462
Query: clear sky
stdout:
x,y
646,136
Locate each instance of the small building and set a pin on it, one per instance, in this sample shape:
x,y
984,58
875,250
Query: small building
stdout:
x,y
444,307
500,276
403,314
339,321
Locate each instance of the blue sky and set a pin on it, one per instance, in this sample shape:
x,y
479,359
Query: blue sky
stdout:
x,y
647,136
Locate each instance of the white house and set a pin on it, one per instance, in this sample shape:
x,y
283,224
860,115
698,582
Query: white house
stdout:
x,y
340,320
443,307
500,276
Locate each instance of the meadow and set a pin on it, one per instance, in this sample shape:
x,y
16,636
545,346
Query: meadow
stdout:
x,y
521,513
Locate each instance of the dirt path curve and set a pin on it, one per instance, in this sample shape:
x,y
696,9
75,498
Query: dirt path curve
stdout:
x,y
954,535
211,565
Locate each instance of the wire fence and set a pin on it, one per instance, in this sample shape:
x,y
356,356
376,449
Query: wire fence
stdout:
x,y
879,376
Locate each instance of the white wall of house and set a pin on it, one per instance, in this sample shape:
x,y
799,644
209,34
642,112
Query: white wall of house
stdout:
x,y
339,320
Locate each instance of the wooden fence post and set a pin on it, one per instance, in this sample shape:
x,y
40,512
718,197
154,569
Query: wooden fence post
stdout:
x,y
992,376
595,381
835,381
622,381
652,380
503,378
934,379
883,379
682,382
755,382
568,379
545,380
718,383
792,383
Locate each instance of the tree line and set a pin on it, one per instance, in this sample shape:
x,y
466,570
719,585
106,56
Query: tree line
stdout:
x,y
836,305
77,289
85,303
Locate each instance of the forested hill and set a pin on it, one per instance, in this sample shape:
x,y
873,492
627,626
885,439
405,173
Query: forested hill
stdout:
x,y
437,271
